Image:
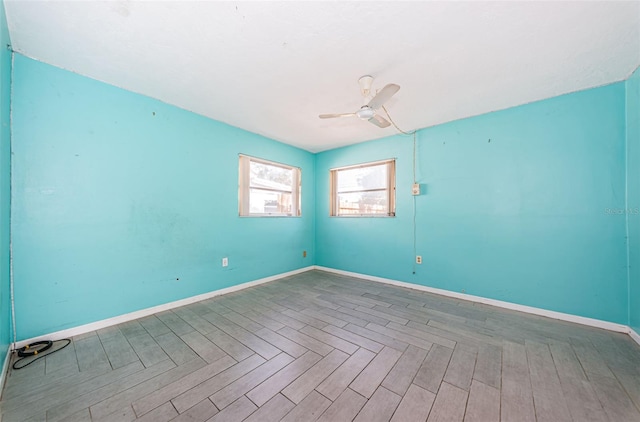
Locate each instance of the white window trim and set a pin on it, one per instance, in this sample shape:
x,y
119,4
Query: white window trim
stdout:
x,y
391,189
244,180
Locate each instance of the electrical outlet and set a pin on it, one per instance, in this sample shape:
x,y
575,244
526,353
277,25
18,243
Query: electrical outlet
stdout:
x,y
418,259
225,262
415,189
304,254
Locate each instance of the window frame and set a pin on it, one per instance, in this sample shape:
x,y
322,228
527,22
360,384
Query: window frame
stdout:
x,y
390,189
244,187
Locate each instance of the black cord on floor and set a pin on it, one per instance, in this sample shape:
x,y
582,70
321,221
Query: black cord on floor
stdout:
x,y
38,349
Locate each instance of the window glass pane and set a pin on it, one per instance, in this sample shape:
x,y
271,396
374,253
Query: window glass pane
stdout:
x,y
362,178
270,177
362,203
268,189
269,202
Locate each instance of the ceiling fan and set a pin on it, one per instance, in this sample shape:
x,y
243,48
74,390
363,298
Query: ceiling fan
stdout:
x,y
368,111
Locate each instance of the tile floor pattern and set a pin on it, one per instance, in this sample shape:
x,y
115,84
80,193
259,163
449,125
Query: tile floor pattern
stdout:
x,y
318,346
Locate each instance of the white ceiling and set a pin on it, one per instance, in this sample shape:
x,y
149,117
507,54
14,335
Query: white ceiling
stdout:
x,y
272,67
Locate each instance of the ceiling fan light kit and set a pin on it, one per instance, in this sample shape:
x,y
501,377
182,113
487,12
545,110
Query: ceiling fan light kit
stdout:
x,y
368,111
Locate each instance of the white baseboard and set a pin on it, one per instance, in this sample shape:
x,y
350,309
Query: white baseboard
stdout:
x,y
70,332
611,326
5,369
635,336
82,329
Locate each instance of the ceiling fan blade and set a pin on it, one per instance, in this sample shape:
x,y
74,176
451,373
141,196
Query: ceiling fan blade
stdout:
x,y
383,96
379,121
331,116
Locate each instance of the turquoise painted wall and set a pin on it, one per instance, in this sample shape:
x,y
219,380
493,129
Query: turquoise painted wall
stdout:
x,y
520,206
5,183
121,202
117,196
633,195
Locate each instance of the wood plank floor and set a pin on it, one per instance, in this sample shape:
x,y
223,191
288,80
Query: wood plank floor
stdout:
x,y
318,346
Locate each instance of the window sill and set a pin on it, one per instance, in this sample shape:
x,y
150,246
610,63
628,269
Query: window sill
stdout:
x,y
362,216
269,216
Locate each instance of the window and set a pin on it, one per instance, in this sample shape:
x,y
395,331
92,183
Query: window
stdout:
x,y
268,189
364,190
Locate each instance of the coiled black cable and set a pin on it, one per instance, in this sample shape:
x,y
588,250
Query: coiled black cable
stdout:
x,y
37,349
33,349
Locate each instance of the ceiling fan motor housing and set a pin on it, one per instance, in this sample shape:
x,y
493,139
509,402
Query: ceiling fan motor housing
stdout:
x,y
365,112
